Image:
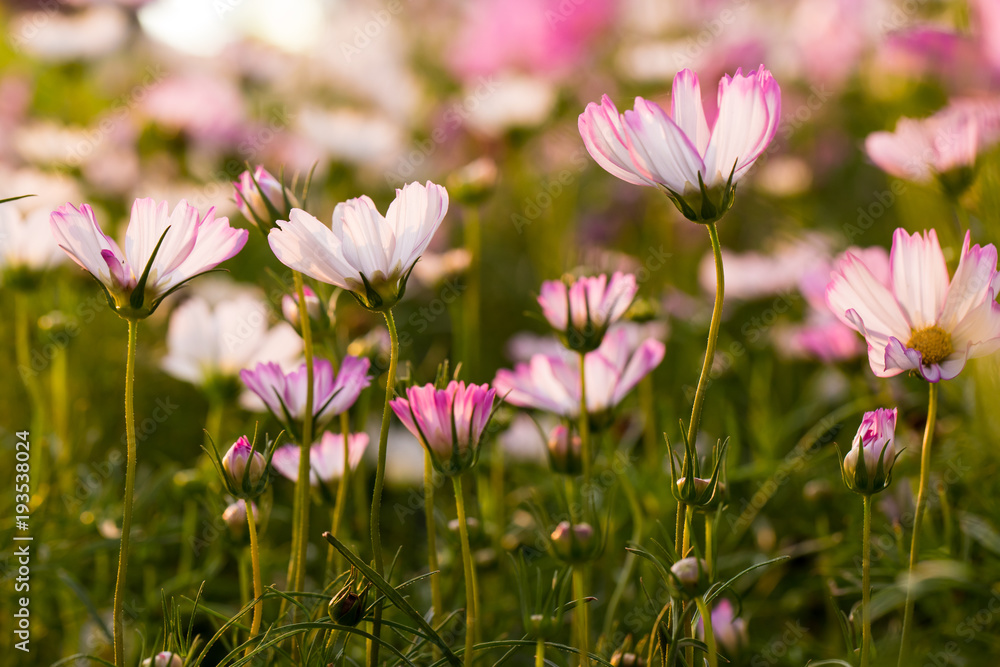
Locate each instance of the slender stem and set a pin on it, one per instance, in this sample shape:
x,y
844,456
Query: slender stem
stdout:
x,y
584,427
334,559
133,328
679,527
383,440
706,620
866,578
583,627
470,309
710,544
713,336
470,572
297,563
258,586
540,653
688,528
437,604
918,517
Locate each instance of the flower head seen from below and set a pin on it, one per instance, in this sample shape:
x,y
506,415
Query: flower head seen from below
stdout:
x,y
867,468
552,382
365,253
698,166
284,394
448,422
262,198
326,457
581,312
918,320
209,346
943,146
163,250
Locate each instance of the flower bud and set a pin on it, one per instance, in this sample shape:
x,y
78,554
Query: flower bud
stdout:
x,y
348,606
564,451
473,183
235,516
244,468
290,307
164,659
689,577
867,468
575,543
261,198
622,659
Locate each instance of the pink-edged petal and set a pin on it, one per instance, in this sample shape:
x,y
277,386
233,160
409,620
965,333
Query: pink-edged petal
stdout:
x,y
855,287
604,137
368,240
919,277
553,299
217,241
749,110
972,284
686,109
660,150
876,341
904,153
899,358
77,232
305,244
643,361
414,216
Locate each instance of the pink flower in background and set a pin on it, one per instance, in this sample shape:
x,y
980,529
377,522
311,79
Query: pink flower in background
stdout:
x,y
191,245
208,346
26,242
364,253
547,37
950,140
208,108
326,457
918,319
730,631
290,307
448,422
649,146
552,383
285,394
250,199
581,312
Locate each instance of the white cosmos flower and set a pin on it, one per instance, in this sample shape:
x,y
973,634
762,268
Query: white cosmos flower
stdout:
x,y
363,252
918,319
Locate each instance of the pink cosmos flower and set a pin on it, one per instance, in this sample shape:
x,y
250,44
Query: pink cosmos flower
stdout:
x,y
678,150
26,246
552,383
448,422
285,394
730,632
364,253
162,250
874,445
326,457
918,319
241,461
583,311
922,149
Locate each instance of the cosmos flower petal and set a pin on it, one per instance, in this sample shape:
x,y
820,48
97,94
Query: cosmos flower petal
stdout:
x,y
919,277
604,137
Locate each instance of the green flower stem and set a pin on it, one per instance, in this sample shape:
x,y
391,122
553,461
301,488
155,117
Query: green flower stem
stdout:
x,y
471,309
297,562
540,653
710,544
383,440
119,605
918,517
470,572
334,559
688,528
866,578
713,336
583,622
706,620
22,343
584,426
258,586
679,527
437,603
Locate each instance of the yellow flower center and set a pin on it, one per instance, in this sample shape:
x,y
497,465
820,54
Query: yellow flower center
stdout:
x,y
933,342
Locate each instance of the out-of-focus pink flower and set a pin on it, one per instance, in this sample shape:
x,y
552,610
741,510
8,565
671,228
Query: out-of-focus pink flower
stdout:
x,y
326,457
830,36
26,243
582,312
250,198
988,14
755,275
189,245
552,383
285,394
208,108
435,268
938,146
448,422
208,346
868,466
364,253
920,320
235,516
547,37
290,306
55,36
649,146
730,632
164,659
